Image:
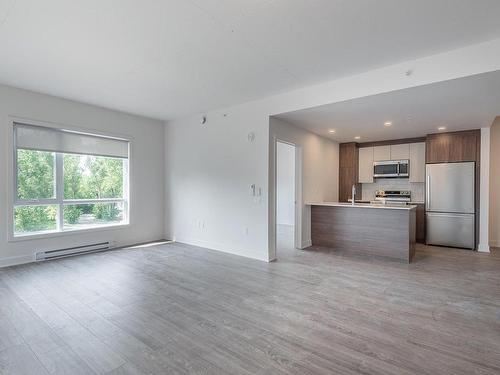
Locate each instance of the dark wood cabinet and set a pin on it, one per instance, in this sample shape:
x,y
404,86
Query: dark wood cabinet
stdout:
x,y
420,235
348,155
348,170
453,147
347,178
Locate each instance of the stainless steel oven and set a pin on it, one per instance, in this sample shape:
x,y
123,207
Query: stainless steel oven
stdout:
x,y
393,196
391,168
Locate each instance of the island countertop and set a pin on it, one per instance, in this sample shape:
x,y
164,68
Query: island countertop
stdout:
x,y
363,205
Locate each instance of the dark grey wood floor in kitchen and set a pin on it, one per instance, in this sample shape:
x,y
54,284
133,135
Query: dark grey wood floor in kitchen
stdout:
x,y
177,309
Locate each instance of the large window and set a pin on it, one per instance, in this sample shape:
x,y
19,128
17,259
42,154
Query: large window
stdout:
x,y
67,181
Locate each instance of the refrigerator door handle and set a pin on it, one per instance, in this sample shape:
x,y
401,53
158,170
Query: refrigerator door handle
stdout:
x,y
428,195
445,214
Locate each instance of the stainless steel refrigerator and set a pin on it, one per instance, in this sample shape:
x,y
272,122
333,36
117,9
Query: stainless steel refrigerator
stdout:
x,y
450,204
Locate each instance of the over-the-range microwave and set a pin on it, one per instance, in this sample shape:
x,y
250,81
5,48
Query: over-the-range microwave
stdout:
x,y
391,168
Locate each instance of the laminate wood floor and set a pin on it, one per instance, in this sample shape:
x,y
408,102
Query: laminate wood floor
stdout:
x,y
178,309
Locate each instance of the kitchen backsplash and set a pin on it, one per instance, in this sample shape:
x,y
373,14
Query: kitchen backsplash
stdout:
x,y
417,188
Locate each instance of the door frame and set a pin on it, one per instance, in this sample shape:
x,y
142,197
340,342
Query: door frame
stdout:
x,y
299,206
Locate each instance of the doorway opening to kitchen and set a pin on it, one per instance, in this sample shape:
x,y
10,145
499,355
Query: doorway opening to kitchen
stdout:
x,y
286,197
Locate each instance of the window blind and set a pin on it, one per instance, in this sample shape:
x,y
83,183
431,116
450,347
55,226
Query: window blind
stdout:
x,y
42,138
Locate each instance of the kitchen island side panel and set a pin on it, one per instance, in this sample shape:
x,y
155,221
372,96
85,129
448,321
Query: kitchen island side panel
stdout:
x,y
377,232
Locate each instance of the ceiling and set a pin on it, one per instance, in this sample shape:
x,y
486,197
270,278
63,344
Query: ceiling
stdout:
x,y
460,104
168,58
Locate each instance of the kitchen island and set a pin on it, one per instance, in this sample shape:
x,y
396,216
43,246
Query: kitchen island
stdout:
x,y
370,229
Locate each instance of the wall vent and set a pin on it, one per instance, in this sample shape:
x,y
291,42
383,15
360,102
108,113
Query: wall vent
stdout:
x,y
71,251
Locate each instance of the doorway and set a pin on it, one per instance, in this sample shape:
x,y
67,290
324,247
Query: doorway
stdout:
x,y
286,201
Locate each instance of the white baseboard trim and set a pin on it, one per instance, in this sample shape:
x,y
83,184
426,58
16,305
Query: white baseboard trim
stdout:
x,y
219,247
15,261
306,243
483,248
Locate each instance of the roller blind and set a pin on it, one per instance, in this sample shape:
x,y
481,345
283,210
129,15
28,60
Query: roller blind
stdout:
x,y
58,140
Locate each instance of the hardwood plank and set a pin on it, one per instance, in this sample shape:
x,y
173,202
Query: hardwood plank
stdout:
x,y
9,336
64,361
20,360
127,369
180,309
96,354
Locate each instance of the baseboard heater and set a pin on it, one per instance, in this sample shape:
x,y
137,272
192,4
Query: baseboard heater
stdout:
x,y
71,251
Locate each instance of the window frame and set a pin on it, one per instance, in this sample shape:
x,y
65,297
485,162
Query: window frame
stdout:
x,y
59,200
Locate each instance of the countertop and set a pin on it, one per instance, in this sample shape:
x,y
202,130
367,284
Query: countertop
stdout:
x,y
363,205
368,201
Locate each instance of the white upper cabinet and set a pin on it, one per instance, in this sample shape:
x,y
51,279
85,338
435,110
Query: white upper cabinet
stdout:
x,y
414,152
381,153
400,152
365,172
392,152
417,162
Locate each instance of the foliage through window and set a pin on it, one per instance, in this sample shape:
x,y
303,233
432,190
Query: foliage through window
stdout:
x,y
92,177
35,174
59,191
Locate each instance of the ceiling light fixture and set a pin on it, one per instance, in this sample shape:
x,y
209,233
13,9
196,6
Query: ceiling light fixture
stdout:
x,y
331,131
441,128
357,137
387,123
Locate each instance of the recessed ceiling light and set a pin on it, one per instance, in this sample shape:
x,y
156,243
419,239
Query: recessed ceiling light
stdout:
x,y
442,128
387,123
331,131
357,137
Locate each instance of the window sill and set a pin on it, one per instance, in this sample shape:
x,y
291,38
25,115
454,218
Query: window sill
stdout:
x,y
31,237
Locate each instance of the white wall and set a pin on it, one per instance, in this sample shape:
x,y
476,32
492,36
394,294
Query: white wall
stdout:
x,y
146,169
285,184
494,192
209,169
